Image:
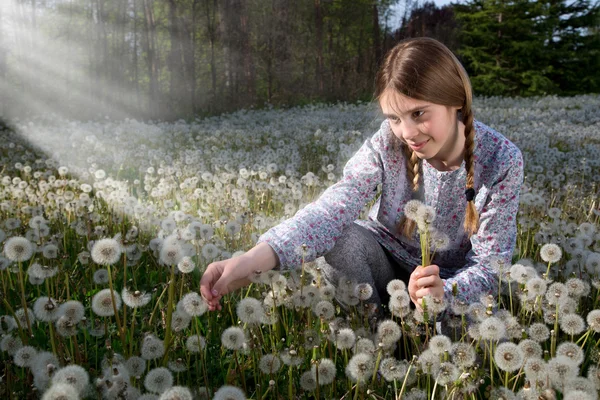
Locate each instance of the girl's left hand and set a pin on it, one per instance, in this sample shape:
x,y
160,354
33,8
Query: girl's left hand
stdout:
x,y
425,281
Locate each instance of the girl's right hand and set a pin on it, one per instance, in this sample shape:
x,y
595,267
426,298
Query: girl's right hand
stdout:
x,y
222,277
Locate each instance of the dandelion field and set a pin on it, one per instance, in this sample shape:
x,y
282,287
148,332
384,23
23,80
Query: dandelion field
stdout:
x,y
106,227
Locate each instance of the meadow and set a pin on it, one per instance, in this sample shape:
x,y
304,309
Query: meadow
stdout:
x,y
106,227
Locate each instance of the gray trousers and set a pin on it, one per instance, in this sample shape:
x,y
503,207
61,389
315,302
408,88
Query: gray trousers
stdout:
x,y
357,257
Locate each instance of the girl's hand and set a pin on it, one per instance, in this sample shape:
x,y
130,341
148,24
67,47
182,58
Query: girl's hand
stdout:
x,y
425,281
222,277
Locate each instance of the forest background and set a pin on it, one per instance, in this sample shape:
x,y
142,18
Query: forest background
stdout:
x,y
181,59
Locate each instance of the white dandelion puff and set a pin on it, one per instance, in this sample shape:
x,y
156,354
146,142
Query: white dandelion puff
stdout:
x,y
551,253
106,251
360,368
571,324
102,303
250,310
194,304
18,249
158,380
73,375
61,391
508,357
269,364
233,338
228,392
195,343
25,356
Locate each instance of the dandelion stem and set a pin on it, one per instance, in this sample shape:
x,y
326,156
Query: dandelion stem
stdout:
x,y
169,314
23,302
114,304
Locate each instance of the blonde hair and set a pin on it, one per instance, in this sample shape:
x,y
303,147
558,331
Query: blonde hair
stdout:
x,y
424,69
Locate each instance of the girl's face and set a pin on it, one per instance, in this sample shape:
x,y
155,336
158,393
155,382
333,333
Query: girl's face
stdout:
x,y
431,130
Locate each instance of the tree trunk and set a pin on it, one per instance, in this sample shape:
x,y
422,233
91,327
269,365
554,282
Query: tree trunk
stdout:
x,y
150,49
174,59
136,79
248,59
211,30
376,37
319,46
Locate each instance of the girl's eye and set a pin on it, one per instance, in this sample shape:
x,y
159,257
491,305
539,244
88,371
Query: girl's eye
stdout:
x,y
394,119
417,114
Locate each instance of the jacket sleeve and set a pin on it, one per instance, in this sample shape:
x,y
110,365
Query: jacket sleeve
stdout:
x,y
495,238
320,223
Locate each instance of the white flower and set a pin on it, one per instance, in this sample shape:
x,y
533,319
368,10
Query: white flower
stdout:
x,y
550,253
411,208
18,249
106,251
102,303
233,338
508,357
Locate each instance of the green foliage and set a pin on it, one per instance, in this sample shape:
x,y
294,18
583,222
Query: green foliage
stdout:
x,y
529,48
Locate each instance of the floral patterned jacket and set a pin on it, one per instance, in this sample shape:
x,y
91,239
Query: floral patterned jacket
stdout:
x,y
467,261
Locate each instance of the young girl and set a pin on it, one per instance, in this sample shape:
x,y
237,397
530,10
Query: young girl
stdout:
x,y
429,148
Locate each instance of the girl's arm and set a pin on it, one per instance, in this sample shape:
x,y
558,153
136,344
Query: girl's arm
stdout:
x,y
496,237
318,225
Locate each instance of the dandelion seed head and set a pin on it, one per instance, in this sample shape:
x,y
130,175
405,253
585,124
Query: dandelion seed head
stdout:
x,y
530,348
61,391
593,320
539,332
186,265
194,304
195,343
25,356
363,291
135,298
308,381
233,338
577,287
571,324
364,345
440,344
410,209
388,332
46,309
463,354
447,373
158,380
102,303
551,253
269,364
10,344
345,339
18,249
561,369
152,348
136,366
391,369
360,367
508,357
324,309
73,310
492,328
570,350
176,393
250,310
326,369
73,375
394,285
106,251
536,287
